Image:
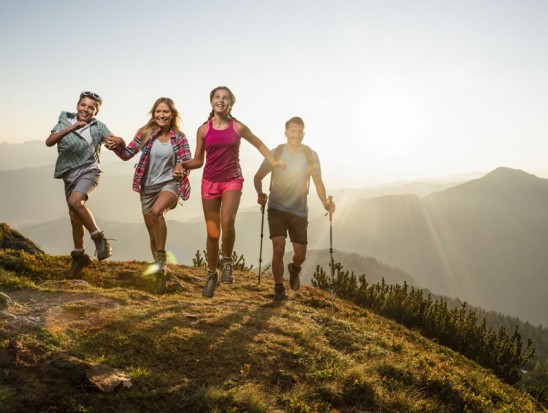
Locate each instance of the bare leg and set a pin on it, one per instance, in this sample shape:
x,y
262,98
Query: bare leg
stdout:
x,y
80,217
299,254
278,249
212,215
149,222
166,200
229,208
77,232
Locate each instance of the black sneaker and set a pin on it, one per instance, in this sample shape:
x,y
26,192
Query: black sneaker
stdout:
x,y
226,271
80,260
294,276
279,293
212,281
103,249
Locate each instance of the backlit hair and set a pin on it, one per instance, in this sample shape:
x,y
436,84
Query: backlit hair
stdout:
x,y
148,130
296,120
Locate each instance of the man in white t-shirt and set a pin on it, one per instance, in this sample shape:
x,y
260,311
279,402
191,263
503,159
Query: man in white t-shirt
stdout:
x,y
287,204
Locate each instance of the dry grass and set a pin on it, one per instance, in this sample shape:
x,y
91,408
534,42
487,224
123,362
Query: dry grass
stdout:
x,y
237,352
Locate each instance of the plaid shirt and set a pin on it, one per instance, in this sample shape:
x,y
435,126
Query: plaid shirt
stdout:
x,y
73,149
180,147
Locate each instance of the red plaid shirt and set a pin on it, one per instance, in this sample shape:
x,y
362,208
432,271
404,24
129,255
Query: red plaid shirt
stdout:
x,y
180,147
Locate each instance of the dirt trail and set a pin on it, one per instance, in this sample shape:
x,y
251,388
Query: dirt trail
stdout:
x,y
55,309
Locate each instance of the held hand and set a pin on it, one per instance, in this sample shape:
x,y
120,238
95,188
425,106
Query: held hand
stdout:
x,y
112,142
178,172
262,198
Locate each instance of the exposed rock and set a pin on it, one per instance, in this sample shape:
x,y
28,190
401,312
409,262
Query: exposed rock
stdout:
x,y
101,377
5,301
5,314
107,379
11,239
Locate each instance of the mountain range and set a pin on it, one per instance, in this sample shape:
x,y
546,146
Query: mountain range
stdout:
x,y
481,240
26,169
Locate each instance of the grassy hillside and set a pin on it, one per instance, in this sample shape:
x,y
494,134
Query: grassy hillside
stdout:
x,y
237,352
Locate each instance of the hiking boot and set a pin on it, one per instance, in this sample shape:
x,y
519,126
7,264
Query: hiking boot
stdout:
x,y
79,260
103,249
294,276
226,271
212,281
279,292
162,272
161,281
160,258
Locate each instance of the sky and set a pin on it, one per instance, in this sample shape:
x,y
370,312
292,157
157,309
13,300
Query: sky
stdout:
x,y
389,90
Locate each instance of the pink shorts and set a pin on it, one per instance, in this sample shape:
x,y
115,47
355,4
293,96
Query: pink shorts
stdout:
x,y
212,190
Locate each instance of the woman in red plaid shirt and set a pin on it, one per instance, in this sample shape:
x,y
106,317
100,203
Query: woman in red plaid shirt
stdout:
x,y
163,145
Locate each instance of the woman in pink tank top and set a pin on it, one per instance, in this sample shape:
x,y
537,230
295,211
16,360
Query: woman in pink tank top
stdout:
x,y
218,139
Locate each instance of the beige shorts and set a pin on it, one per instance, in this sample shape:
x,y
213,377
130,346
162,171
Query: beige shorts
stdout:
x,y
150,194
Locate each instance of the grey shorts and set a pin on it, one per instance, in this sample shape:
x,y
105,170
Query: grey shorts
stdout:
x,y
85,184
149,194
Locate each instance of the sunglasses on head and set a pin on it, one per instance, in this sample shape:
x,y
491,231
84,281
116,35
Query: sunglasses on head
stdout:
x,y
92,95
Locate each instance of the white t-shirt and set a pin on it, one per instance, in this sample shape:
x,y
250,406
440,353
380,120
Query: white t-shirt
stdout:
x,y
289,185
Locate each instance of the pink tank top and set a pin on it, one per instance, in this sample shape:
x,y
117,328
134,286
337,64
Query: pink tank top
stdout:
x,y
222,149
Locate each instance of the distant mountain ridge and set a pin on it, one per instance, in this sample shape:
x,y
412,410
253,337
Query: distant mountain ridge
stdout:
x,y
26,169
482,241
374,270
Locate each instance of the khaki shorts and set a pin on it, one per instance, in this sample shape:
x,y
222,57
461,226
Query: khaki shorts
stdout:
x,y
150,194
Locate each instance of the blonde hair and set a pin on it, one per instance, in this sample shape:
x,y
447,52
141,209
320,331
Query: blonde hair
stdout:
x,y
150,127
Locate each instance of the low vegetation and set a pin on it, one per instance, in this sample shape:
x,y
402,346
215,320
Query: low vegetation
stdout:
x,y
457,328
238,352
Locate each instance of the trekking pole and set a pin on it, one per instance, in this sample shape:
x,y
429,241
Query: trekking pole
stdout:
x,y
261,248
330,201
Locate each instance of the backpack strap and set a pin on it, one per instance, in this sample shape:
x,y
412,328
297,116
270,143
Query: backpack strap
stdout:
x,y
309,160
277,155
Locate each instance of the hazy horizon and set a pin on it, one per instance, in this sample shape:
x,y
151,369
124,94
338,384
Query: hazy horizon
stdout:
x,y
389,91
110,160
